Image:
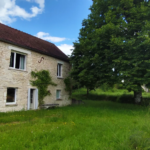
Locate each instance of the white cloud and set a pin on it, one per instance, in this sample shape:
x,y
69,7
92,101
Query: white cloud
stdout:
x,y
9,11
63,47
40,2
66,48
46,36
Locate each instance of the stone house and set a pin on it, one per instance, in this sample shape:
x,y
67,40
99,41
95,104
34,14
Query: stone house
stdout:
x,y
21,53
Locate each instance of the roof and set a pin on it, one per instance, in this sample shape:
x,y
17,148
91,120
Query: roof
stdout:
x,y
24,40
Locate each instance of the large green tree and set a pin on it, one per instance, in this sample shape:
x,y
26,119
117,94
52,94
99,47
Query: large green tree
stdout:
x,y
114,45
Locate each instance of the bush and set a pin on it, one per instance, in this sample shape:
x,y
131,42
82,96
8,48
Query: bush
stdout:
x,y
118,86
105,87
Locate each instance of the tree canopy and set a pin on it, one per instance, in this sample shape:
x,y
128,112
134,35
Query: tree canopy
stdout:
x,y
114,45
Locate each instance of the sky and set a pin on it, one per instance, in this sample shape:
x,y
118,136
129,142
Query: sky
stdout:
x,y
57,21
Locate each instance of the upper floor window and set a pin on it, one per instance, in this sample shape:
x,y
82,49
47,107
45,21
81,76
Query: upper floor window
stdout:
x,y
17,61
59,70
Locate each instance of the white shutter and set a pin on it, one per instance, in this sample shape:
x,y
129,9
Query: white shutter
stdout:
x,y
36,99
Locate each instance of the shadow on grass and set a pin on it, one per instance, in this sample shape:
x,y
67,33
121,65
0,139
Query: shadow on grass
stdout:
x,y
115,98
124,98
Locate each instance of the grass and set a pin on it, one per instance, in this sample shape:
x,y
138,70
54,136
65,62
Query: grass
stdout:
x,y
116,95
95,125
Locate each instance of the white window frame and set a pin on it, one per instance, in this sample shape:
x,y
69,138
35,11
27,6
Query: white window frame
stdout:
x,y
14,63
59,70
58,90
10,103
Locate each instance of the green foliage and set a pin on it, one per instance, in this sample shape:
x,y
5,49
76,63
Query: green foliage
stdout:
x,y
70,85
43,80
116,36
118,86
105,87
68,82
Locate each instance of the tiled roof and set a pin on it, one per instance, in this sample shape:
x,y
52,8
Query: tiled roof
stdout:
x,y
24,40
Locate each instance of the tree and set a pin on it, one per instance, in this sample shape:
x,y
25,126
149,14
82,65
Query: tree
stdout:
x,y
115,36
83,72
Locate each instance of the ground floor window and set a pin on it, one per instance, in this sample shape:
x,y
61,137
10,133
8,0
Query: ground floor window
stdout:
x,y
11,95
58,94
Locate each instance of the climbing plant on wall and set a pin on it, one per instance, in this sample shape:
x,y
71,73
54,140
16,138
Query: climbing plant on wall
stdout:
x,y
42,81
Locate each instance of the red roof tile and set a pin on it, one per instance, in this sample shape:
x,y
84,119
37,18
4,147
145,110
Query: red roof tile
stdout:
x,y
21,39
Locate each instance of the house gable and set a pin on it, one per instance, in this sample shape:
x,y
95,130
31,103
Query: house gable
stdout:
x,y
24,40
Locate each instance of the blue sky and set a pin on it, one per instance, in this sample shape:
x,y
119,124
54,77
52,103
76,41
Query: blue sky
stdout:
x,y
57,21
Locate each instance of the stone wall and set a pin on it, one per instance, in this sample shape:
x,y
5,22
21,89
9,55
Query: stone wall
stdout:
x,y
21,79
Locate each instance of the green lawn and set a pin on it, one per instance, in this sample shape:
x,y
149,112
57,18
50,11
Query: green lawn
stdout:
x,y
117,95
95,125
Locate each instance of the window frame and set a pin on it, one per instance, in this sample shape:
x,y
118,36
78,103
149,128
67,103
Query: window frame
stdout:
x,y
59,70
58,98
15,98
14,62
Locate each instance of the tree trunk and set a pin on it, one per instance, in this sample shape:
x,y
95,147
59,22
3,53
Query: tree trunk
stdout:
x,y
137,96
87,92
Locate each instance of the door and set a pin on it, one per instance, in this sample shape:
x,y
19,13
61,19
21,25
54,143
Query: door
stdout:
x,y
32,99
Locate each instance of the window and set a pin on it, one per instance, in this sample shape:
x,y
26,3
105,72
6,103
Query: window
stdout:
x,y
59,70
31,96
17,61
11,95
58,94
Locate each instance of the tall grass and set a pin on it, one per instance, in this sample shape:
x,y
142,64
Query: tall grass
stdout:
x,y
95,125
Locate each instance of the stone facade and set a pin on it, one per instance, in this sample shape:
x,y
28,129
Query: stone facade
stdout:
x,y
20,79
